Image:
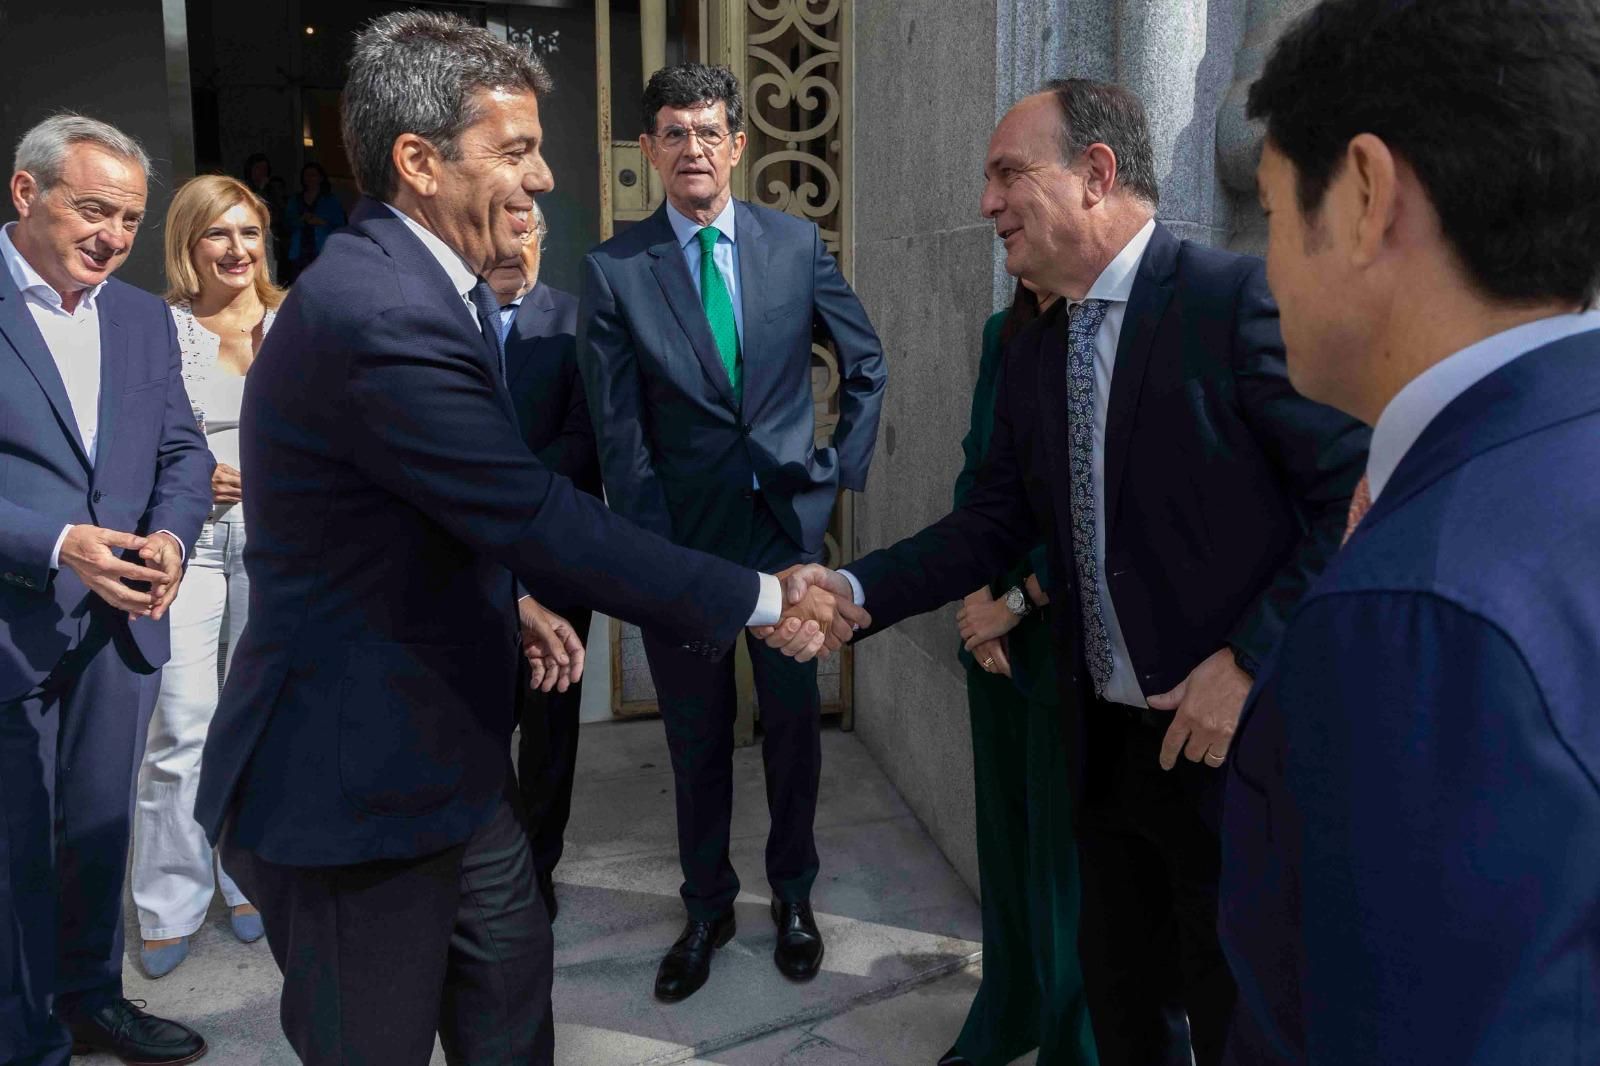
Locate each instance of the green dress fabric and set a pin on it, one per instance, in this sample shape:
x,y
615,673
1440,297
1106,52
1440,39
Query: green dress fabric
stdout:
x,y
1032,989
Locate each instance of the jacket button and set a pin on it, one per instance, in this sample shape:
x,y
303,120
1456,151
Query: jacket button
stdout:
x,y
98,496
745,429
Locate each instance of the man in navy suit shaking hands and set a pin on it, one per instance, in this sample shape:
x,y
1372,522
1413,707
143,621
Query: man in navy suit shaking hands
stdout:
x,y
1410,870
358,769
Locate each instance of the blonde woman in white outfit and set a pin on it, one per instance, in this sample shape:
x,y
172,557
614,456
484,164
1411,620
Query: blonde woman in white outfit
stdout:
x,y
223,301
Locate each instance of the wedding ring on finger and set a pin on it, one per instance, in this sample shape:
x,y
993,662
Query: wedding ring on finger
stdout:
x,y
1214,759
988,664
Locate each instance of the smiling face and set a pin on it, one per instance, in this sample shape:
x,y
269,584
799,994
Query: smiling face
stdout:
x,y
481,204
230,252
695,175
1037,202
79,231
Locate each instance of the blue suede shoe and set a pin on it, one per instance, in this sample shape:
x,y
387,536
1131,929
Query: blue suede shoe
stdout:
x,y
158,962
247,927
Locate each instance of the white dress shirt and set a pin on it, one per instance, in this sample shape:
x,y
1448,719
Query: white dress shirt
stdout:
x,y
769,605
73,338
725,254
1114,285
1414,407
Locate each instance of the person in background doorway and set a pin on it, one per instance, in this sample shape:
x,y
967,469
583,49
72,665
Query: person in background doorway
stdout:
x,y
1032,993
310,217
257,173
223,300
537,324
695,342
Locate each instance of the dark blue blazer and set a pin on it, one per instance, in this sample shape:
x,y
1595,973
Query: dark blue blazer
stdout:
x,y
151,471
676,450
1226,490
546,389
369,709
1411,851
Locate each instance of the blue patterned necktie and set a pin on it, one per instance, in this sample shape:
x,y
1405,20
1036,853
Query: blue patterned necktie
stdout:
x,y
489,321
1083,322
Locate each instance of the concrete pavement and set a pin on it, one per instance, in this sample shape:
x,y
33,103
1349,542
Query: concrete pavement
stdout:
x,y
902,932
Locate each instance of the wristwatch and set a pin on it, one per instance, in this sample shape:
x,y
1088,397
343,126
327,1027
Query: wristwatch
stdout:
x,y
1017,602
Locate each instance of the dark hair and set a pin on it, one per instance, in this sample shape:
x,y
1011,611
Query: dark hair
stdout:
x,y
1495,104
1023,310
250,164
420,72
688,84
1097,112
312,164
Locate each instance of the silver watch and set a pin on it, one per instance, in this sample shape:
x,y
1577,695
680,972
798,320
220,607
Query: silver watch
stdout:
x,y
1017,602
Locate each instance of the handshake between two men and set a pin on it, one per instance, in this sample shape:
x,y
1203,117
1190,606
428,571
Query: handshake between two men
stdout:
x,y
819,617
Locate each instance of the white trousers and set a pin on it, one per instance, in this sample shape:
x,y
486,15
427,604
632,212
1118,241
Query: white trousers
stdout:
x,y
174,871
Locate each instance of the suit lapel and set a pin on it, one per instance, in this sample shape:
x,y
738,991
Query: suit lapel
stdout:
x,y
752,268
673,277
1152,290
531,322
113,379
22,333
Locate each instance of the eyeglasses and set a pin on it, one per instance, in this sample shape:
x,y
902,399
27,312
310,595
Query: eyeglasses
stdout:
x,y
675,137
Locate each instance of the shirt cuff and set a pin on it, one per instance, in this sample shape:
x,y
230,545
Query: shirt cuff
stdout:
x,y
857,593
183,554
55,553
769,605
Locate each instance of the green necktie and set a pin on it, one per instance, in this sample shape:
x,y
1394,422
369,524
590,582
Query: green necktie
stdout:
x,y
719,310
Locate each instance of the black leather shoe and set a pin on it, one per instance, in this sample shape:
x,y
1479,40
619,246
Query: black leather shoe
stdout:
x,y
686,967
120,1027
954,1058
799,950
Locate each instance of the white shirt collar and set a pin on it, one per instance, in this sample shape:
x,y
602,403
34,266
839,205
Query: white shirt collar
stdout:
x,y
1115,282
462,276
29,280
1414,407
684,227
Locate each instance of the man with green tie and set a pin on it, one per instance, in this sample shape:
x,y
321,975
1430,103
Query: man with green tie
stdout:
x,y
695,330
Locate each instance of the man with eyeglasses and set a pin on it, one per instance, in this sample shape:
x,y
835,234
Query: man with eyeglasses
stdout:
x,y
537,327
695,342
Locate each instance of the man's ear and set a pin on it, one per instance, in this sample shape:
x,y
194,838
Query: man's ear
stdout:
x,y
416,161
25,193
1101,176
1372,174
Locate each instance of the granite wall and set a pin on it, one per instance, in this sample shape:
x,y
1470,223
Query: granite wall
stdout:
x,y
932,76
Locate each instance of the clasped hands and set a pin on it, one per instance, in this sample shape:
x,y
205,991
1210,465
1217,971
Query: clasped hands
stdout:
x,y
95,555
819,614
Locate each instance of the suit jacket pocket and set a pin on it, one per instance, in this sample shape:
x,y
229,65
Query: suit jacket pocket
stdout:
x,y
403,713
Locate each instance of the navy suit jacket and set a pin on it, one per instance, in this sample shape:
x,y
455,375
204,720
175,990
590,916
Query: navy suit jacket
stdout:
x,y
151,471
546,389
1225,489
1411,848
369,708
676,450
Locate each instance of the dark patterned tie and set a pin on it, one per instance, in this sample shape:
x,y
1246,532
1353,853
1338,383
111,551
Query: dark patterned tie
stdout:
x,y
489,321
1083,322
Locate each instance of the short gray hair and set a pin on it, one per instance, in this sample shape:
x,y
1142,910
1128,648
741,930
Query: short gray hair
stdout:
x,y
42,152
418,72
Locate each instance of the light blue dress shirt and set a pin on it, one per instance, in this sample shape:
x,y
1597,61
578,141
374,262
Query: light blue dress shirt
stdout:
x,y
1425,396
726,254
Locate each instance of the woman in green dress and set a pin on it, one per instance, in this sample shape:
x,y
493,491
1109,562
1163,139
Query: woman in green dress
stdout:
x,y
1032,989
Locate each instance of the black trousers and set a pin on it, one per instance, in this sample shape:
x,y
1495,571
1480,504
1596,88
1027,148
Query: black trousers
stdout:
x,y
69,761
698,707
378,957
1150,857
547,757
